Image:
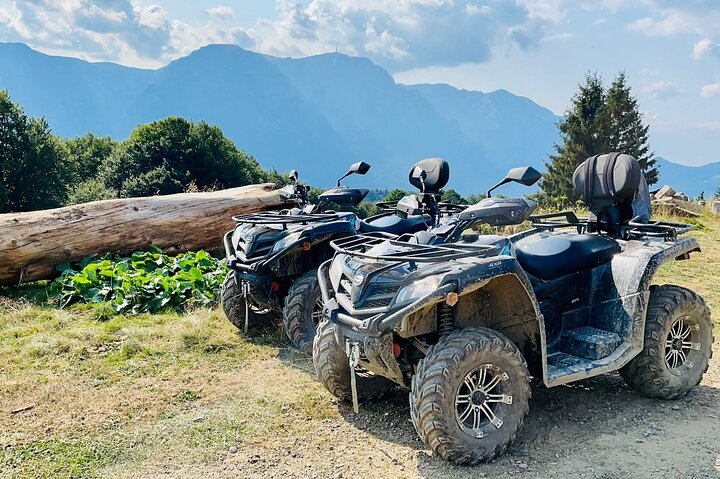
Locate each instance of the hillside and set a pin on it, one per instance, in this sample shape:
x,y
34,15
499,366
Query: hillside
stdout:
x,y
316,114
691,180
328,110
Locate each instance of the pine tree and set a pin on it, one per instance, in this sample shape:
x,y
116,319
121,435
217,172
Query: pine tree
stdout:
x,y
582,132
626,132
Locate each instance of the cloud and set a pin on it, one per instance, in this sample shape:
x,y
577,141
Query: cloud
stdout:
x,y
222,12
661,89
398,34
710,89
701,48
701,17
114,30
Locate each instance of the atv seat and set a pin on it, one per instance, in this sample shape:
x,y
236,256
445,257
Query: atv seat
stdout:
x,y
393,224
555,256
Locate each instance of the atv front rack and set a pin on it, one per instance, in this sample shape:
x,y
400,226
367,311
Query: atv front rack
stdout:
x,y
666,230
283,219
360,246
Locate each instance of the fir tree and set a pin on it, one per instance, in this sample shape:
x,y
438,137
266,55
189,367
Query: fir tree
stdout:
x,y
582,133
626,132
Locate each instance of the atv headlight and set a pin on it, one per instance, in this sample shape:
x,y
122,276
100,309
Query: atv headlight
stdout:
x,y
418,289
336,268
286,241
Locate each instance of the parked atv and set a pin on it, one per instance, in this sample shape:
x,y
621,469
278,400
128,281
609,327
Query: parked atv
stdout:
x,y
274,256
464,325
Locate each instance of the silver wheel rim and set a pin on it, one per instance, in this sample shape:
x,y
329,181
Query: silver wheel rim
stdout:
x,y
479,398
317,312
680,342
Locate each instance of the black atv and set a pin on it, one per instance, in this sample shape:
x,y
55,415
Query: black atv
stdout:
x,y
274,256
464,325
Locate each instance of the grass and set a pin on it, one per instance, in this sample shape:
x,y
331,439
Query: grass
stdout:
x,y
111,394
123,390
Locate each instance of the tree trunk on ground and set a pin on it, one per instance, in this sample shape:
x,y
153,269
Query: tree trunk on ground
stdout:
x,y
33,243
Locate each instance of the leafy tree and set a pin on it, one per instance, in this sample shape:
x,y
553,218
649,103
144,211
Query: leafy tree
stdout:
x,y
165,156
395,195
452,196
582,134
87,153
472,199
90,190
33,171
626,132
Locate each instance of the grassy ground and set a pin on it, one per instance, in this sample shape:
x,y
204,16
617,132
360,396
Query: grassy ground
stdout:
x,y
131,396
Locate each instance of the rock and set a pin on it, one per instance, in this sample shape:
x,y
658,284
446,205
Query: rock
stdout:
x,y
681,196
199,419
665,191
676,408
254,459
232,450
522,465
714,207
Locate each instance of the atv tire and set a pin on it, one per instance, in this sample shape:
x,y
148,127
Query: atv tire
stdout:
x,y
467,373
303,311
333,369
233,304
677,345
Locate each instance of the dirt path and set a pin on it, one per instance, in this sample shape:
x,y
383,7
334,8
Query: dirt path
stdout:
x,y
595,429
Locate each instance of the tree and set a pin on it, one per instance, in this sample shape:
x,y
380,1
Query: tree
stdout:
x,y
452,196
165,156
33,170
626,132
394,195
582,134
87,153
596,122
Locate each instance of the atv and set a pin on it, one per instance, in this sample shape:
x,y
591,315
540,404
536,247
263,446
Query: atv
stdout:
x,y
274,256
464,325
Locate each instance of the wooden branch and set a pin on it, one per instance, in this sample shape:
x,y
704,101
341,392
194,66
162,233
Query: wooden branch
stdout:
x,y
33,243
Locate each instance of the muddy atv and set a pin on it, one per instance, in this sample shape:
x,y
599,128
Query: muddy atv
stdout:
x,y
274,256
465,325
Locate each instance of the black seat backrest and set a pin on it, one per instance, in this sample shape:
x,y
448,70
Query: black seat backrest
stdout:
x,y
608,184
437,174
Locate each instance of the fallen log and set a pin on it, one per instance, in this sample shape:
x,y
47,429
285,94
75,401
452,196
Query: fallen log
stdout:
x,y
33,243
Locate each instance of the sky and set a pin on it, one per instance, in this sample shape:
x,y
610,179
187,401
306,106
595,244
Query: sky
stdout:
x,y
540,49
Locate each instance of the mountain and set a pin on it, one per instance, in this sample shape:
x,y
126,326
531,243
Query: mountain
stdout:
x,y
691,180
316,114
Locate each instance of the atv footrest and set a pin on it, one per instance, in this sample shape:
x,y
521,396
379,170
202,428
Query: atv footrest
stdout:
x,y
589,343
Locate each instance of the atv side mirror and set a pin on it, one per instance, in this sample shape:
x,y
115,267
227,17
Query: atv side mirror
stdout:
x,y
359,168
294,176
525,175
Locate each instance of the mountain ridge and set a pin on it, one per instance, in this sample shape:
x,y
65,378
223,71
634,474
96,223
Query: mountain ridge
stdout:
x,y
316,114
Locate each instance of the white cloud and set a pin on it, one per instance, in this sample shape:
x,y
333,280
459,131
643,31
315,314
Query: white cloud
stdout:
x,y
701,17
222,12
710,89
701,48
398,34
661,89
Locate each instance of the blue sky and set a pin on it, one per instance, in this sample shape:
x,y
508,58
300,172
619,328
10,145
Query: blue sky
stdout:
x,y
536,48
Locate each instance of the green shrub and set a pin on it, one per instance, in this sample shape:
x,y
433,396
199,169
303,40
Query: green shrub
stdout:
x,y
145,282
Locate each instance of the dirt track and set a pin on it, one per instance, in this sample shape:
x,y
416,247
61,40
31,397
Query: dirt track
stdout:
x,y
595,429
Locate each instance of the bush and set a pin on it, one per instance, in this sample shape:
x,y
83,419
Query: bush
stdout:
x,y
90,190
145,282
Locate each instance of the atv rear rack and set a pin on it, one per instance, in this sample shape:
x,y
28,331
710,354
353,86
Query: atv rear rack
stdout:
x,y
283,219
669,231
359,246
